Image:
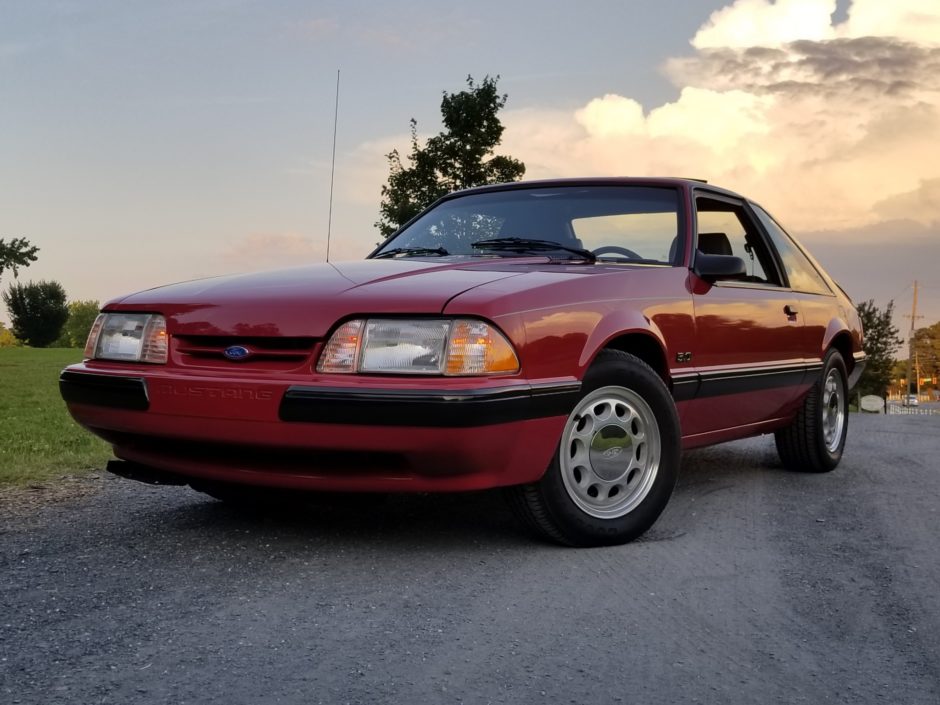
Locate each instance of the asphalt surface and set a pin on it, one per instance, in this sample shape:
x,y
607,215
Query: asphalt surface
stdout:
x,y
756,586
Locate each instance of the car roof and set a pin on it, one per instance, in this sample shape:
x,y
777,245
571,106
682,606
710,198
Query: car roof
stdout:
x,y
657,181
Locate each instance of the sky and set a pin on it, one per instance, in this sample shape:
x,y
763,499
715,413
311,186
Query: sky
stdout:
x,y
143,143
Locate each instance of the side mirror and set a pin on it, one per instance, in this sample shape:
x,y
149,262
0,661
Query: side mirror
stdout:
x,y
714,267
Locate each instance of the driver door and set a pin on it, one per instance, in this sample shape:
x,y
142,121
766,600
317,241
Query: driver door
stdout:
x,y
748,331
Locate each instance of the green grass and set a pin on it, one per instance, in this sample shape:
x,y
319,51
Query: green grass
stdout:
x,y
38,439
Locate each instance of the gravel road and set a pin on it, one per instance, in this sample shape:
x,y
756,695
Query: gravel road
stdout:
x,y
756,586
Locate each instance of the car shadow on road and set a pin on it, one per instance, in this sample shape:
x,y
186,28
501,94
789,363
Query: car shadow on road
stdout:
x,y
436,521
432,521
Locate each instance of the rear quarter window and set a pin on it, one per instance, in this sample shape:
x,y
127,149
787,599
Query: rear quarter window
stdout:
x,y
801,273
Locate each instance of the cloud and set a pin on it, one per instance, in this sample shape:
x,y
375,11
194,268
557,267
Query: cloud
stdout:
x,y
922,204
272,250
867,68
915,20
747,23
318,28
826,126
760,22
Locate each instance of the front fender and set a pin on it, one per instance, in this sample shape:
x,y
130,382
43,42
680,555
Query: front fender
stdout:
x,y
616,325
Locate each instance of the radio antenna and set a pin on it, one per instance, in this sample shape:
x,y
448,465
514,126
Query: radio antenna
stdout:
x,y
329,222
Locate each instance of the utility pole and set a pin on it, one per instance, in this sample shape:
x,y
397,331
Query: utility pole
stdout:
x,y
910,350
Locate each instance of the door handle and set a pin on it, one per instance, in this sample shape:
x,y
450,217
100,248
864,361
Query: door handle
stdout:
x,y
790,310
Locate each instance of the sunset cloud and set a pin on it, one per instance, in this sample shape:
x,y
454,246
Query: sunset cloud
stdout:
x,y
829,127
748,23
272,250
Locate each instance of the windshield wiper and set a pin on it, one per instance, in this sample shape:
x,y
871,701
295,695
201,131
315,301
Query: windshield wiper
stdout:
x,y
525,244
412,252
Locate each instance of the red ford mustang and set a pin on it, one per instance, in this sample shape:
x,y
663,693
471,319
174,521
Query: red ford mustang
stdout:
x,y
564,339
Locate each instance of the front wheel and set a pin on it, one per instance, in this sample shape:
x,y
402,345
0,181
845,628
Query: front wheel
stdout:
x,y
617,460
814,441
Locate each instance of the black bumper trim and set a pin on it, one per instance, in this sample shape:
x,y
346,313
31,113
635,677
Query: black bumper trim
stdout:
x,y
113,391
419,407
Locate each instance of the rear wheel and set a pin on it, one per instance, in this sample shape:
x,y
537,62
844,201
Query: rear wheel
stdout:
x,y
617,460
814,441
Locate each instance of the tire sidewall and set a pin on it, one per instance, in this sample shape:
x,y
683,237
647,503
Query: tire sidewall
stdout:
x,y
832,361
627,371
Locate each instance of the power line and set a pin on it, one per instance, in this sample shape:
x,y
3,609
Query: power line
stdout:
x,y
901,293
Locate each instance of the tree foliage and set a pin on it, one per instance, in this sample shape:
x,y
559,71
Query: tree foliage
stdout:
x,y
927,352
15,254
7,339
459,157
37,312
82,315
880,341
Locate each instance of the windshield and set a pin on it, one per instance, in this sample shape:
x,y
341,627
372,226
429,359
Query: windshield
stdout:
x,y
617,223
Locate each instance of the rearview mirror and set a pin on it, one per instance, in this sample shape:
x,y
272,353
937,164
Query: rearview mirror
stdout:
x,y
714,267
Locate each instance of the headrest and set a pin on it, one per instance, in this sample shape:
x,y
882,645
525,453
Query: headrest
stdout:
x,y
714,244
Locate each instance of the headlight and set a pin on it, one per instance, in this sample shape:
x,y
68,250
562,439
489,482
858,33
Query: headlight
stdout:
x,y
130,337
430,346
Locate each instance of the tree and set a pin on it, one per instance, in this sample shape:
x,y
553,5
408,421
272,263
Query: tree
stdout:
x,y
880,341
15,254
926,361
37,312
82,315
7,339
459,157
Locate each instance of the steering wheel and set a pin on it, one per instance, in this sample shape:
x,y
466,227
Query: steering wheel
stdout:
x,y
616,250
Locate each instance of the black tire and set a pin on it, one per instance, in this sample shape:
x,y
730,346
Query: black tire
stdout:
x,y
814,441
560,506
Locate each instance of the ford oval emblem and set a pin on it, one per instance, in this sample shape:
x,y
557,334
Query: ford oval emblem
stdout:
x,y
236,352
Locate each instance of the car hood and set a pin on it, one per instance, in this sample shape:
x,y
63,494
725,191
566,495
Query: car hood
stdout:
x,y
307,301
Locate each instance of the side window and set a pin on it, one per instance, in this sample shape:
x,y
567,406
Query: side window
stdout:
x,y
800,271
725,229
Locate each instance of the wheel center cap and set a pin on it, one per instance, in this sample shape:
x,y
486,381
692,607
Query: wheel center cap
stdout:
x,y
611,452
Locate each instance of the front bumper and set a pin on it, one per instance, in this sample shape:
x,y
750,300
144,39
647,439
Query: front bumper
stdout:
x,y
377,438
